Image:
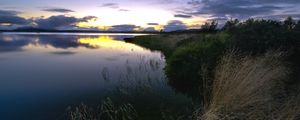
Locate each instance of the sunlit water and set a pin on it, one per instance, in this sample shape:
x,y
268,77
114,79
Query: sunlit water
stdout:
x,y
42,74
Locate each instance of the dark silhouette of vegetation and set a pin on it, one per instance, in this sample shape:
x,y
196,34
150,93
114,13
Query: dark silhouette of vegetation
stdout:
x,y
258,80
209,27
255,37
186,60
184,68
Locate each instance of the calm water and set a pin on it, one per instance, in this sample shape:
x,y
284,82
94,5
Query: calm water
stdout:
x,y
42,74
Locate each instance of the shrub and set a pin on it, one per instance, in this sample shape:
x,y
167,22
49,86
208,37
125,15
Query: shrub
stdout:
x,y
184,66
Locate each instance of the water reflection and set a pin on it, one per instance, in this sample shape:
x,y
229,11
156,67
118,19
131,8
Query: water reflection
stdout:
x,y
41,75
11,42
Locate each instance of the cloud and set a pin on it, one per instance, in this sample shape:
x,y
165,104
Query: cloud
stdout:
x,y
150,29
9,20
123,10
59,10
174,25
110,5
238,8
87,18
183,16
125,27
13,20
13,43
61,21
63,53
9,12
153,24
280,16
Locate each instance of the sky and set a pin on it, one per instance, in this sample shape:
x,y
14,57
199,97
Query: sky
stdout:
x,y
139,15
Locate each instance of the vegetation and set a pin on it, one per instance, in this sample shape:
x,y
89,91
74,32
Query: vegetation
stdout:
x,y
107,111
187,61
192,68
149,96
257,88
250,83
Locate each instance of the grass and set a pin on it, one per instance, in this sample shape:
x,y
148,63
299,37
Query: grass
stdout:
x,y
240,86
142,84
246,88
185,55
107,111
166,43
252,84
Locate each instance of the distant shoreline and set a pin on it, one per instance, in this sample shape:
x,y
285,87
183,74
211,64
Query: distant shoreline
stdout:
x,y
1,31
93,31
74,33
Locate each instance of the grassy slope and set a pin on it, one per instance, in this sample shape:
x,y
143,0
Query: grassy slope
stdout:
x,y
186,55
258,80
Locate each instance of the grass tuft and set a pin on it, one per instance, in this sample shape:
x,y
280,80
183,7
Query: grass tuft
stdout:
x,y
243,88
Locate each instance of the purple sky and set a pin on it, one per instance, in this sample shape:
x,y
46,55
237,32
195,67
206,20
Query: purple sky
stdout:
x,y
137,14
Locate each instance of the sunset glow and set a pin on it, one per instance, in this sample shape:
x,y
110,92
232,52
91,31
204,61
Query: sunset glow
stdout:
x,y
129,15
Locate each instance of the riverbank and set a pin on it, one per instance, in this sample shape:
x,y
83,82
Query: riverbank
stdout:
x,y
246,70
205,67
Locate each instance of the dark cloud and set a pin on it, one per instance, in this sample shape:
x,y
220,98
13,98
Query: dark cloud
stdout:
x,y
59,10
60,21
87,18
277,1
150,29
175,25
152,24
125,27
110,5
13,20
279,16
63,53
239,8
10,20
9,12
183,16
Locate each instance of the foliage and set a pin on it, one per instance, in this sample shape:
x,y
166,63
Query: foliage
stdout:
x,y
192,64
258,36
165,42
209,27
184,66
255,37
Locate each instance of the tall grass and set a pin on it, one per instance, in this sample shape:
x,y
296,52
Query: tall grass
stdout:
x,y
142,84
107,111
245,88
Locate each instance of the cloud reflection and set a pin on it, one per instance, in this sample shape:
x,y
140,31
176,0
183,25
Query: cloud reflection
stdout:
x,y
13,43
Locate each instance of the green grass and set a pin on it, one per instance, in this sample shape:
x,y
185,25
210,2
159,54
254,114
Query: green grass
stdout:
x,y
187,55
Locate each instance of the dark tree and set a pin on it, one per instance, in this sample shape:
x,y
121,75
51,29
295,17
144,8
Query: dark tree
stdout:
x,y
231,25
209,27
289,23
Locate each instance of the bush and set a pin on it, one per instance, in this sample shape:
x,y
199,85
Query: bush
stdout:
x,y
255,37
184,66
258,36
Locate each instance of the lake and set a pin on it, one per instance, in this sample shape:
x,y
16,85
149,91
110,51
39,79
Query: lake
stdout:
x,y
44,74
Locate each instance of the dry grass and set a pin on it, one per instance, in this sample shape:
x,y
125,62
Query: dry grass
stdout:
x,y
290,110
243,89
